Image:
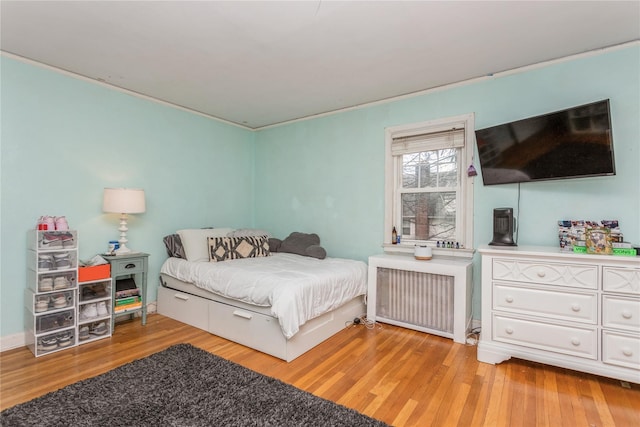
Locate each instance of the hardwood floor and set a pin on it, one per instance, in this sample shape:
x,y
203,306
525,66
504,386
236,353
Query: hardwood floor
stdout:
x,y
400,376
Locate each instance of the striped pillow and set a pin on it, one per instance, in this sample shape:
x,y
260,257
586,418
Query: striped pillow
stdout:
x,y
226,248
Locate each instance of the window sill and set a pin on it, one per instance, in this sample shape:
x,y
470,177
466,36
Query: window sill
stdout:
x,y
410,248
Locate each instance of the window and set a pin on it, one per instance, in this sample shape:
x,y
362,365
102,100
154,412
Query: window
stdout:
x,y
428,195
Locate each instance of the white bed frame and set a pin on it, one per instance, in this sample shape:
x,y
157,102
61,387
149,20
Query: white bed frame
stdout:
x,y
246,324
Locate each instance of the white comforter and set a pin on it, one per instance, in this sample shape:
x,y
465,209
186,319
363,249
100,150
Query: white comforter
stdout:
x,y
297,288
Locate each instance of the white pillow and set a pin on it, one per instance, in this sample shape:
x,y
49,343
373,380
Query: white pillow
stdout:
x,y
195,241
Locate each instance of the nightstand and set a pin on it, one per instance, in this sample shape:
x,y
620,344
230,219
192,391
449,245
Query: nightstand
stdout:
x,y
129,266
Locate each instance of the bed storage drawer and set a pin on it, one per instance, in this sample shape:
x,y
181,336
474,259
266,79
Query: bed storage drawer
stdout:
x,y
183,307
248,328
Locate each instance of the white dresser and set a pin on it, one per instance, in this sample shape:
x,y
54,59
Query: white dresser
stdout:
x,y
576,311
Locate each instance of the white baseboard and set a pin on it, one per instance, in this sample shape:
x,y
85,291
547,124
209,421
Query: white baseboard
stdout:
x,y
13,341
152,307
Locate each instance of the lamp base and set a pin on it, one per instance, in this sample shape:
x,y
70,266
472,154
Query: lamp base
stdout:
x,y
123,250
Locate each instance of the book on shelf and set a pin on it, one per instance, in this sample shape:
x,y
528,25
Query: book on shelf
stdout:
x,y
626,245
125,307
128,300
125,284
127,293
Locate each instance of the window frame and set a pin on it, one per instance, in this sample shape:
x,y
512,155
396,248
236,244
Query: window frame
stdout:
x,y
393,180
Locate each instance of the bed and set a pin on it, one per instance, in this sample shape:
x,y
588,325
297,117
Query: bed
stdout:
x,y
257,294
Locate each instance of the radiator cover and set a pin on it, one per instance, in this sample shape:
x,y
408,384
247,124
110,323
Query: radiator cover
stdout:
x,y
421,299
429,296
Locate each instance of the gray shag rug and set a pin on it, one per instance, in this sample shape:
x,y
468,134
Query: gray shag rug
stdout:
x,y
182,386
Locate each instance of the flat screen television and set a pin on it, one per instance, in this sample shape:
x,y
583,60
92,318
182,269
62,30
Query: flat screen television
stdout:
x,y
572,143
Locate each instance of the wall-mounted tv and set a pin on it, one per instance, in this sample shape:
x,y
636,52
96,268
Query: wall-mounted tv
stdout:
x,y
572,143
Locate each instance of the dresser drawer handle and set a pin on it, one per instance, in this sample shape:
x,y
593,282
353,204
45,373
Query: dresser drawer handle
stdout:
x,y
541,273
509,331
130,265
509,299
575,341
627,352
575,307
626,314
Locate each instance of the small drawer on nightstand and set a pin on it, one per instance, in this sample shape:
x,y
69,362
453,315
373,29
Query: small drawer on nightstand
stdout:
x,y
126,266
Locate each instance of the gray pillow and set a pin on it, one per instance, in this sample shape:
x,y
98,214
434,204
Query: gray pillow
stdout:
x,y
316,251
274,244
174,246
303,244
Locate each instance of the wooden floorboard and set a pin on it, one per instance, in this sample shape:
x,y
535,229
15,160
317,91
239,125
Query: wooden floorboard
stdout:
x,y
399,376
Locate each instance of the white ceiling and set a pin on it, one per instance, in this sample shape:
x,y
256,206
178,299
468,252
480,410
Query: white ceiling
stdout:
x,y
261,63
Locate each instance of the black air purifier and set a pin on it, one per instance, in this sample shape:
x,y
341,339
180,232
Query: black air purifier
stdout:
x,y
503,225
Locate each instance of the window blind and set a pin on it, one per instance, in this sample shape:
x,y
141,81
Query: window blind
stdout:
x,y
452,138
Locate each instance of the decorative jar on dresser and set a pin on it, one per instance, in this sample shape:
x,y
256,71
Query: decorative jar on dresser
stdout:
x,y
571,310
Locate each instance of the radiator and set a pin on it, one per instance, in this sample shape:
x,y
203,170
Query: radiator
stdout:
x,y
421,299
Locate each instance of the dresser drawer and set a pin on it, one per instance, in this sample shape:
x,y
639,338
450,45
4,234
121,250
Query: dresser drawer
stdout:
x,y
621,349
581,342
547,273
620,312
126,266
571,306
623,280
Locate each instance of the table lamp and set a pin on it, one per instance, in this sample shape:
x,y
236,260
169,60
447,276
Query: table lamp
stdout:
x,y
123,201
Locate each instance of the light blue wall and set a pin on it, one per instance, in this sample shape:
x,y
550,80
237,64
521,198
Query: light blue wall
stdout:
x,y
64,140
614,75
326,175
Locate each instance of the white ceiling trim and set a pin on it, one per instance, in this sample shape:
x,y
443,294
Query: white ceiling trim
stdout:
x,y
462,83
328,113
262,63
118,88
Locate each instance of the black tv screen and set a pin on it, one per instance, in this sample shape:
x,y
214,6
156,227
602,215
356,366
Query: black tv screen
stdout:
x,y
571,143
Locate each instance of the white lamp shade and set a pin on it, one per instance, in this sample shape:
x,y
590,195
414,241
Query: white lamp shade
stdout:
x,y
123,200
